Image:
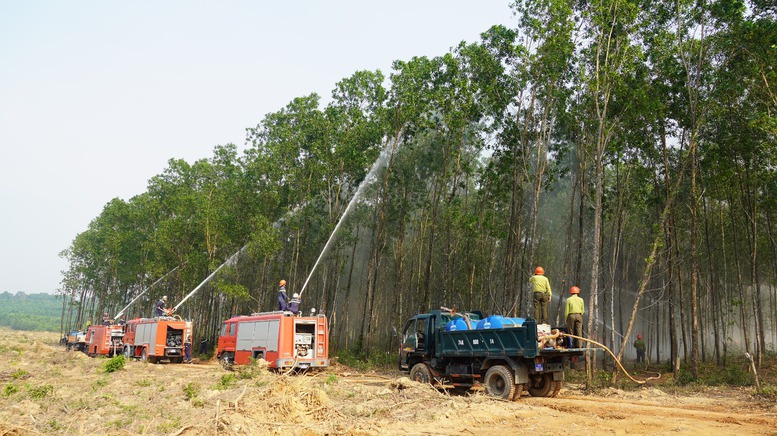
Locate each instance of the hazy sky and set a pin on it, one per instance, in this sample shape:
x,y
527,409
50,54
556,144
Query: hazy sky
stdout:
x,y
95,97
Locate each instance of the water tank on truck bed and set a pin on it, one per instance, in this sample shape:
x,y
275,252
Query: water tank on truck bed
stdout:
x,y
506,355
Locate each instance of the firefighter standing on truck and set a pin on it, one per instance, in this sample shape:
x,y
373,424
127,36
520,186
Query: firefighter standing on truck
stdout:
x,y
294,304
542,295
573,314
283,298
160,306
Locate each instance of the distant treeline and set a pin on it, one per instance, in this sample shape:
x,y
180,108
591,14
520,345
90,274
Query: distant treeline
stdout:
x,y
38,312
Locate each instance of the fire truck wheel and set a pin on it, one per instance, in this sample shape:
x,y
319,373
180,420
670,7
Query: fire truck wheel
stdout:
x,y
127,353
541,385
421,373
144,355
226,361
499,382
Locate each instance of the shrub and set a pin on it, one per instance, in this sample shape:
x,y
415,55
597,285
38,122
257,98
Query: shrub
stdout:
x,y
115,363
190,391
226,381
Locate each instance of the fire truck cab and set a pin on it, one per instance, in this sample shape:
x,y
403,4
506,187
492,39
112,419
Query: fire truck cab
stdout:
x,y
280,338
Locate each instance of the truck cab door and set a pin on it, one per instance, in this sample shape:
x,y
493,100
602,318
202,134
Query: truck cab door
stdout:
x,y
414,340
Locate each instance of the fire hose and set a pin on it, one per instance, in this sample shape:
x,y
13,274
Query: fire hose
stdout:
x,y
642,382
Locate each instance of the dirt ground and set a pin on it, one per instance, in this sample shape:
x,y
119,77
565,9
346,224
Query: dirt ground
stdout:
x,y
46,389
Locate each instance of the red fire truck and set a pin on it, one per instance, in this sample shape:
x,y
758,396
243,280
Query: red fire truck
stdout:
x,y
155,339
280,338
104,340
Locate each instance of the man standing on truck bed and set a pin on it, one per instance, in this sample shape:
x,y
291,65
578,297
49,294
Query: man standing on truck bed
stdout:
x,y
573,314
542,295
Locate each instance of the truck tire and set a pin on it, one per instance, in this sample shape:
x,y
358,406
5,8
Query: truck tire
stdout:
x,y
541,385
227,361
500,382
421,373
127,353
144,355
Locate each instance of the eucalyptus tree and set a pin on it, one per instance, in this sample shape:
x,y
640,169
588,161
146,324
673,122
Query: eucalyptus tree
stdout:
x,y
609,56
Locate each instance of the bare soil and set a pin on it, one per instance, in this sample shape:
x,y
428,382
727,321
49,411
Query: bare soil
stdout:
x,y
46,389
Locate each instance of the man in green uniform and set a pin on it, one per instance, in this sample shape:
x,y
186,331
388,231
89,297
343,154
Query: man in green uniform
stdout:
x,y
573,314
542,295
639,344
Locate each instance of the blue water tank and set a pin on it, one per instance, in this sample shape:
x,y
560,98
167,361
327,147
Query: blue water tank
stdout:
x,y
456,324
498,322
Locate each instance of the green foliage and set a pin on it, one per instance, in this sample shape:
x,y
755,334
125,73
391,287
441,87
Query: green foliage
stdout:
x,y
252,370
20,374
768,391
376,360
33,312
40,392
115,363
9,390
710,374
331,379
226,381
191,391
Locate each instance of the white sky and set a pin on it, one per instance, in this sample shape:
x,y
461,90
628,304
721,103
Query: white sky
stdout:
x,y
96,96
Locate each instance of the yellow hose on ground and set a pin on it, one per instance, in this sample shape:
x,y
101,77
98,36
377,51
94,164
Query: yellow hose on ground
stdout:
x,y
642,382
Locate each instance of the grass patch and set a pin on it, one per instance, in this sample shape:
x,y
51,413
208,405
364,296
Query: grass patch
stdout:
x,y
10,390
143,382
40,392
20,374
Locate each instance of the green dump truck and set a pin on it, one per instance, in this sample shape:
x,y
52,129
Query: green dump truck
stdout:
x,y
505,355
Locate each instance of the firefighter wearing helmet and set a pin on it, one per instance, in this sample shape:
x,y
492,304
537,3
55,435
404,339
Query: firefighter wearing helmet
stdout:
x,y
542,295
294,304
573,314
639,345
160,307
283,298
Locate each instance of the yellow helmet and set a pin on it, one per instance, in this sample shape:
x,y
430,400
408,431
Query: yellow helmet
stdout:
x,y
283,282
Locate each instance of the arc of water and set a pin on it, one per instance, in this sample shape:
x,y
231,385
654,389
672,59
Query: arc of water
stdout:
x,y
207,279
378,162
141,294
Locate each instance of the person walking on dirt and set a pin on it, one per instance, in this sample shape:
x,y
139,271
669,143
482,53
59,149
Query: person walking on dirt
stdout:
x,y
639,345
160,306
542,295
283,298
573,314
